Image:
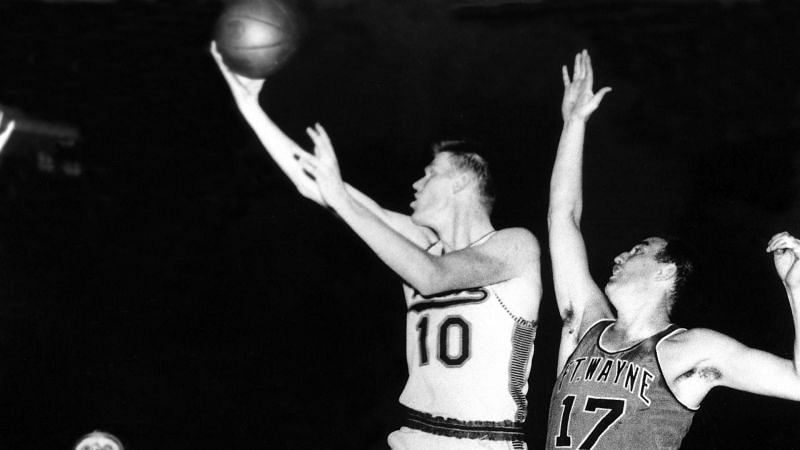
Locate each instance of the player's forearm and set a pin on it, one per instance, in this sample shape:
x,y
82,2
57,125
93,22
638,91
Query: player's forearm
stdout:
x,y
566,187
405,258
281,148
367,202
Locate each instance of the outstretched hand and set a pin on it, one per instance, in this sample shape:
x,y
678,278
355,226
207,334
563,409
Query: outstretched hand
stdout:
x,y
579,101
6,133
245,90
785,250
323,167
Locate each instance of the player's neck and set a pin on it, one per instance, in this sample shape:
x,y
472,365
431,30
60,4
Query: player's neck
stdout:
x,y
639,318
463,229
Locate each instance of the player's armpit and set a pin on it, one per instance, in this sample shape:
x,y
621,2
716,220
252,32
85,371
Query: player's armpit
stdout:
x,y
580,300
743,368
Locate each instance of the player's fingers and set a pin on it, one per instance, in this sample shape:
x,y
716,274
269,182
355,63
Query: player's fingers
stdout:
x,y
324,138
308,165
588,69
232,78
776,239
321,130
326,143
216,55
598,97
583,63
304,157
312,133
772,240
229,76
576,71
784,242
565,76
774,243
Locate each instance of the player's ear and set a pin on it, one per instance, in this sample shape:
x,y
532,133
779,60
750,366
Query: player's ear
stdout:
x,y
462,180
666,272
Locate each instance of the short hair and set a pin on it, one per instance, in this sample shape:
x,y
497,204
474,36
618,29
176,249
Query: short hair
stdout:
x,y
466,156
678,252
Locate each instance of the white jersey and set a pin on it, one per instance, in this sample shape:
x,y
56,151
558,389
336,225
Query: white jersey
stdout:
x,y
468,355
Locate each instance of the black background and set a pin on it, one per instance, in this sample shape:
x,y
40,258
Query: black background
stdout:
x,y
180,293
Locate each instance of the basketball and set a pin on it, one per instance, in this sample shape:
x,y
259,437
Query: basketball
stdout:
x,y
256,37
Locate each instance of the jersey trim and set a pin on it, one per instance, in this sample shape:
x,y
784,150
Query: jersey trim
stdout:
x,y
630,347
451,298
520,321
585,333
506,430
521,352
658,361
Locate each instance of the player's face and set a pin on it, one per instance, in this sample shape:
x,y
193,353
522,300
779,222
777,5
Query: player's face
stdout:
x,y
639,263
434,190
97,441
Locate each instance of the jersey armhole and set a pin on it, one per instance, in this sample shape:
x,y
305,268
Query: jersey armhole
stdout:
x,y
661,369
519,320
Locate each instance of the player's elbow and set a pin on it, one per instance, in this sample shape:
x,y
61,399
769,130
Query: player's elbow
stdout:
x,y
561,212
431,282
428,286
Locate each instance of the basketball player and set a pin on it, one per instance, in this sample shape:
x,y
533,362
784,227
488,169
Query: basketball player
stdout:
x,y
634,381
6,133
472,292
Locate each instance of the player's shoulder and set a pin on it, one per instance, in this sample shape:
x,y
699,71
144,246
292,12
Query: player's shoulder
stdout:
x,y
700,341
518,238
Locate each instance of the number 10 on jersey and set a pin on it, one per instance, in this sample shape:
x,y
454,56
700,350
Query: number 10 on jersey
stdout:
x,y
452,327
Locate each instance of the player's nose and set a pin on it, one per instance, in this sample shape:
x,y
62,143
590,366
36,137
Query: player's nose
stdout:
x,y
619,259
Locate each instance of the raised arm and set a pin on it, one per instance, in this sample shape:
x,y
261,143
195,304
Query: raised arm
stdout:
x,y
280,147
510,253
286,152
580,300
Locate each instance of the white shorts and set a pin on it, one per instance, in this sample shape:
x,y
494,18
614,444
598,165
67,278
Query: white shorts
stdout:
x,y
409,439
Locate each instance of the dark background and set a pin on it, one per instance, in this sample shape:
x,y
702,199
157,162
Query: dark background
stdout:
x,y
178,292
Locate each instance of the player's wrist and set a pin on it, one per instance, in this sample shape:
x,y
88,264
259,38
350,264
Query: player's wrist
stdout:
x,y
341,202
574,120
250,106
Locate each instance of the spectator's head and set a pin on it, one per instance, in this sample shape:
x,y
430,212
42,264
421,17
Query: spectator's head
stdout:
x,y
99,440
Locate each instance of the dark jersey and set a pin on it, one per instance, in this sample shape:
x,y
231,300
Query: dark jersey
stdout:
x,y
615,400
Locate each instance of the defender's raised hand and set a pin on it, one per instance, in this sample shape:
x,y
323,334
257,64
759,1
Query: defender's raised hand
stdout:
x,y
785,250
579,101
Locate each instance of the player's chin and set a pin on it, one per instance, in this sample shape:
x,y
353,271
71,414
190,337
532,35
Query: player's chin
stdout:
x,y
417,217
